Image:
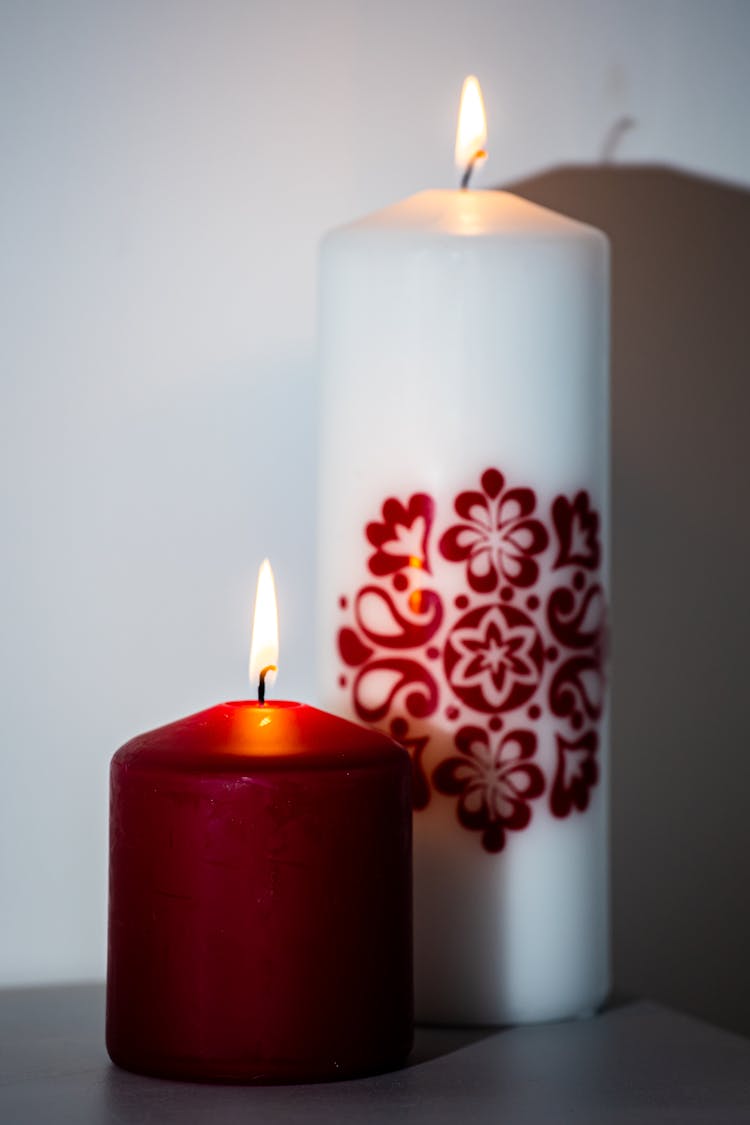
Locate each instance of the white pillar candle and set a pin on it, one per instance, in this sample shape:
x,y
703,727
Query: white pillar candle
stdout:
x,y
463,578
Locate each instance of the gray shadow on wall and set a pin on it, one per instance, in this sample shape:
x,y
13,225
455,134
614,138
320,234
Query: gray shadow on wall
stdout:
x,y
681,539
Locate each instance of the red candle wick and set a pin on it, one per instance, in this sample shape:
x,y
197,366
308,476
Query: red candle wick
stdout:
x,y
262,681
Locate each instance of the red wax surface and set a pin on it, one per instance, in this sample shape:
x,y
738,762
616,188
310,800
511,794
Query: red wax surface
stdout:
x,y
260,898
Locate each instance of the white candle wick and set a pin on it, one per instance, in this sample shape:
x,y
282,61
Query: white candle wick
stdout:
x,y
480,154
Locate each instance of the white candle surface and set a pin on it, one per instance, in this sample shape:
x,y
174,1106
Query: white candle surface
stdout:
x,y
463,565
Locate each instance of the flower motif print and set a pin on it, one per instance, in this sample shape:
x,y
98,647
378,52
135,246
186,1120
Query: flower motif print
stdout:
x,y
576,775
498,538
400,538
577,527
494,779
480,644
493,658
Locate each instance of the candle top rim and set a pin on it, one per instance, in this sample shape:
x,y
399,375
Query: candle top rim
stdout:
x,y
457,213
244,737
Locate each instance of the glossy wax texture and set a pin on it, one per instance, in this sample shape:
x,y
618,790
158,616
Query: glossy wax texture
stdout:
x,y
465,371
260,898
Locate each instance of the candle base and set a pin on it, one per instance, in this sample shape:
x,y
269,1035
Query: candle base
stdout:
x,y
250,1072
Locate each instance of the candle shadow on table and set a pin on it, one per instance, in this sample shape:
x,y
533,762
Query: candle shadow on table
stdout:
x,y
436,1042
681,554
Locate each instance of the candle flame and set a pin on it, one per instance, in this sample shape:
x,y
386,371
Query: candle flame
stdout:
x,y
471,134
264,646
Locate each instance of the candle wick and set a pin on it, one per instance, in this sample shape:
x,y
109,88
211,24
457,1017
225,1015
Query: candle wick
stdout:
x,y
478,155
262,681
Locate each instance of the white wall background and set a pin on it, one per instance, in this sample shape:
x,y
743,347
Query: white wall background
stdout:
x,y
168,167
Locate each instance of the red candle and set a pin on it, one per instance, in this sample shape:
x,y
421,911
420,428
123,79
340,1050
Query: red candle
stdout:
x,y
260,898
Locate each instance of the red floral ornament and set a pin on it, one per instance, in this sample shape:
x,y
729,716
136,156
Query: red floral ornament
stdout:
x,y
380,683
493,658
577,526
401,536
384,674
577,689
577,617
499,537
504,626
494,782
576,775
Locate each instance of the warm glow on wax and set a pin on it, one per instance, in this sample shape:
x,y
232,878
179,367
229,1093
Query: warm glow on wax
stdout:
x,y
471,134
264,647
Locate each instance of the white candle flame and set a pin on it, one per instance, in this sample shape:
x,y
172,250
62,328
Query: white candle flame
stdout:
x,y
264,647
471,134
